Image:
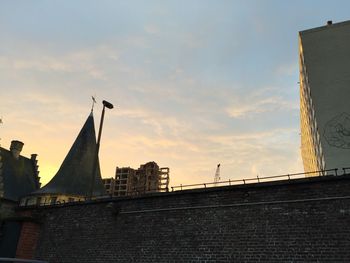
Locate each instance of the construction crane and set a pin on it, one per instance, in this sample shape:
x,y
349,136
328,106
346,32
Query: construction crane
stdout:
x,y
217,175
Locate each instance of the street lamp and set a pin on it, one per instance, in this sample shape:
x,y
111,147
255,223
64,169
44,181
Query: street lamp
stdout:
x,y
108,105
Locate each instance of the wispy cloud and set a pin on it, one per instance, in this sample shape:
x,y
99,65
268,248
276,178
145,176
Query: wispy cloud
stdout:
x,y
151,29
261,101
192,87
83,61
251,108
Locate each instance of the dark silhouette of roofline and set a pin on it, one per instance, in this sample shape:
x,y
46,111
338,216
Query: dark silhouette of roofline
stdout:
x,y
75,174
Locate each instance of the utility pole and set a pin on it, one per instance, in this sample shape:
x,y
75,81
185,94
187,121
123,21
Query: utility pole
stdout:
x,y
108,105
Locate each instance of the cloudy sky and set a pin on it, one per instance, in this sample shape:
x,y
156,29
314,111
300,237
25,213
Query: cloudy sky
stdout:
x,y
194,83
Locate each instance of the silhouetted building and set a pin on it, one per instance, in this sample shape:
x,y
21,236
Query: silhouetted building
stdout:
x,y
149,178
18,174
73,180
123,180
18,177
146,179
324,54
109,184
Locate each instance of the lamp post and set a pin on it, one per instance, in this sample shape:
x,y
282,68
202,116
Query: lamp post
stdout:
x,y
108,105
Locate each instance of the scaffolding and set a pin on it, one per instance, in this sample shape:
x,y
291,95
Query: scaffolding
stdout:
x,y
148,178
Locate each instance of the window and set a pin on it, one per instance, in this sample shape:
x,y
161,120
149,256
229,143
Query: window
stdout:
x,y
53,200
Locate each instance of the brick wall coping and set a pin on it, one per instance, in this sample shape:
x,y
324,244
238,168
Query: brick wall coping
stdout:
x,y
248,186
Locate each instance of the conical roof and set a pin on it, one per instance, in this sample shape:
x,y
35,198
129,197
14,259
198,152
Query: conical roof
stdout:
x,y
75,174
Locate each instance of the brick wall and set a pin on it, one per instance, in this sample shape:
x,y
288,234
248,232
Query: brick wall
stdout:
x,y
29,236
305,220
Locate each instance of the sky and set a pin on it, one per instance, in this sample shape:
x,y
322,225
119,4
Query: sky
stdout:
x,y
194,83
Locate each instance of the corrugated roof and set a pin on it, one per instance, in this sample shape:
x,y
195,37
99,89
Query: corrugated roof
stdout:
x,y
75,174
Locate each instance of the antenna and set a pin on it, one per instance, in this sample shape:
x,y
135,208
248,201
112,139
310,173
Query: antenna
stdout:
x,y
217,175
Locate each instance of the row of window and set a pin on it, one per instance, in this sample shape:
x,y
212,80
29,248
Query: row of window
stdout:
x,y
311,146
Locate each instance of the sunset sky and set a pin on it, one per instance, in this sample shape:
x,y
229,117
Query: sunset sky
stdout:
x,y
194,83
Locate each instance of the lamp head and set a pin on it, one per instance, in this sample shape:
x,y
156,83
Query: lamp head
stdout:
x,y
107,104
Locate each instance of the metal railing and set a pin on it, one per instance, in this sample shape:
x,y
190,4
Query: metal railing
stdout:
x,y
10,260
258,179
346,170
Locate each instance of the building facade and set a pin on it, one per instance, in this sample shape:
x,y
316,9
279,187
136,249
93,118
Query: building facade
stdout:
x,y
324,62
124,180
149,177
109,184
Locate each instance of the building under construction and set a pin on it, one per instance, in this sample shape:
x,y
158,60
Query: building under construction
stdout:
x,y
147,178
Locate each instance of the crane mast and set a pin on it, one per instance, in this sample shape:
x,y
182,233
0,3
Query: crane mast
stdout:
x,y
217,175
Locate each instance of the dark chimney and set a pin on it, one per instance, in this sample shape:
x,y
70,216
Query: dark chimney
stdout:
x,y
16,148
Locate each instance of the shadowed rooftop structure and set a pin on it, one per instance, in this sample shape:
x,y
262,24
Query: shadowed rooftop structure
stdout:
x,y
75,174
18,174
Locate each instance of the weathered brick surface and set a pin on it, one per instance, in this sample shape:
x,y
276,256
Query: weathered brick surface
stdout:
x,y
28,240
304,220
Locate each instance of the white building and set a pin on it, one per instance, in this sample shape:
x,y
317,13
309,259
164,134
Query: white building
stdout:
x,y
324,58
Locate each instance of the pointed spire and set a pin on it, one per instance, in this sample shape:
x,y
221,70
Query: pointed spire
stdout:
x,y
75,174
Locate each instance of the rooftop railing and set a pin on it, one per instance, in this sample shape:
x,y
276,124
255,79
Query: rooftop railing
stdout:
x,y
258,179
